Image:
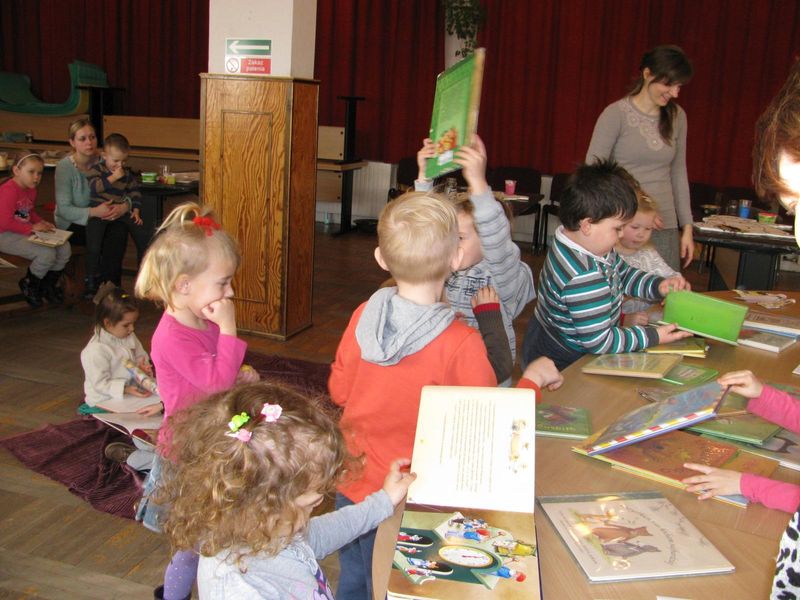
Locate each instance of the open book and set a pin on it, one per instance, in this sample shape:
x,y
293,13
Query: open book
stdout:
x,y
134,424
679,410
52,239
468,529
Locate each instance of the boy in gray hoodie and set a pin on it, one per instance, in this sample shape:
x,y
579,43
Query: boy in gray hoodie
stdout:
x,y
400,340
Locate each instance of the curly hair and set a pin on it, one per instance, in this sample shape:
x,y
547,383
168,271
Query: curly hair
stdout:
x,y
777,131
182,247
226,494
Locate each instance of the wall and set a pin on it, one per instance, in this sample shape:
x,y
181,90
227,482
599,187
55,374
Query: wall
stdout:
x,y
291,26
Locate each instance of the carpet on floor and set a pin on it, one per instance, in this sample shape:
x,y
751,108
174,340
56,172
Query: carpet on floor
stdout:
x,y
71,453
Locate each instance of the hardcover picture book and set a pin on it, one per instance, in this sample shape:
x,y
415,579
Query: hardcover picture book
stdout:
x,y
783,447
628,536
455,111
562,421
632,364
704,315
468,528
680,410
661,459
686,374
771,322
765,340
693,347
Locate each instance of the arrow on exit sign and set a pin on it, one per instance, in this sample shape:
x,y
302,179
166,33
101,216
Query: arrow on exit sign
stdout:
x,y
248,47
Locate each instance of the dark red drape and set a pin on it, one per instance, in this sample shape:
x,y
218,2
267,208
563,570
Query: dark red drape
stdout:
x,y
388,52
152,49
552,66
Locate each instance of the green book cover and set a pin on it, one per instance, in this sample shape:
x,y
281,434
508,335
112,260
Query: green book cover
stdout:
x,y
455,111
686,374
744,428
562,421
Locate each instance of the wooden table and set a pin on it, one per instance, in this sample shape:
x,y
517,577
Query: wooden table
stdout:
x,y
747,537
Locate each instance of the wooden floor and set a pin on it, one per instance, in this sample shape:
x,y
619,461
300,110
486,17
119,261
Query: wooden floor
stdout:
x,y
53,545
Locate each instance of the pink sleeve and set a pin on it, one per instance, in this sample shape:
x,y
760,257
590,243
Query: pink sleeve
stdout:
x,y
8,204
777,407
208,372
771,493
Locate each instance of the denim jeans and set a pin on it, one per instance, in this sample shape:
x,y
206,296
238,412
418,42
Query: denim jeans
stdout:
x,y
355,563
538,343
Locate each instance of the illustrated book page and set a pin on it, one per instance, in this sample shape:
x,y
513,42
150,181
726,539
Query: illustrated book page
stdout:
x,y
53,238
617,537
134,424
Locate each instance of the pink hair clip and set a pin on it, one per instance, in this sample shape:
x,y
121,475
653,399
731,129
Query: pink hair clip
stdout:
x,y
243,435
271,412
237,430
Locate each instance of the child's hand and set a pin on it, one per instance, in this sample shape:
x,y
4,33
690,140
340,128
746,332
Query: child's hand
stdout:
x,y
485,295
43,226
223,313
135,390
117,173
670,333
472,159
396,483
743,383
672,284
135,216
543,372
151,410
145,366
636,318
427,151
713,482
247,374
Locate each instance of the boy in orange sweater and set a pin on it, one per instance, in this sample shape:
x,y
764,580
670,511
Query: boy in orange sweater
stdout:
x,y
400,340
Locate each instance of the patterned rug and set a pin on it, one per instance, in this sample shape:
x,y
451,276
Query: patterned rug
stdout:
x,y
71,453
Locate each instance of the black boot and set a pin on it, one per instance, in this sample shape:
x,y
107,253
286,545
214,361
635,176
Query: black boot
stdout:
x,y
31,285
91,288
50,288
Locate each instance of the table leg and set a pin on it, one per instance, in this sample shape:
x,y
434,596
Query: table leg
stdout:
x,y
346,219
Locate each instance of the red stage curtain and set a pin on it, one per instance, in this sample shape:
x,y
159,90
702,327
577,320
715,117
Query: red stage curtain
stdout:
x,y
390,53
153,49
552,66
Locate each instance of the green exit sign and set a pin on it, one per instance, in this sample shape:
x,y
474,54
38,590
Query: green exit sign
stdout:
x,y
248,47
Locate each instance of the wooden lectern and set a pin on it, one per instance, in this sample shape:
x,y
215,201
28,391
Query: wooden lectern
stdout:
x,y
258,154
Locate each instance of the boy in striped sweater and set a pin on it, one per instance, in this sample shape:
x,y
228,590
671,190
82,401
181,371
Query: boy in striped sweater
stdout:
x,y
583,280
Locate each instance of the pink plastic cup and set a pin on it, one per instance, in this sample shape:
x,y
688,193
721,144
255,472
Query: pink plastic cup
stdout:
x,y
511,187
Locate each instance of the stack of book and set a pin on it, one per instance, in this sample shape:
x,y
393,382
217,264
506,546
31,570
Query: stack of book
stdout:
x,y
644,442
774,333
693,347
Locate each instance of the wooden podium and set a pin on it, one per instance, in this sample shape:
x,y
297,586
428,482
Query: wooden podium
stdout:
x,y
258,154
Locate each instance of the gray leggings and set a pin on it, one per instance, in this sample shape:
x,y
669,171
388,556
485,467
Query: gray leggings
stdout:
x,y
43,258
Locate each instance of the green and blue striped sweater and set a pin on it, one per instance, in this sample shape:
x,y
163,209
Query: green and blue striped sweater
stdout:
x,y
580,297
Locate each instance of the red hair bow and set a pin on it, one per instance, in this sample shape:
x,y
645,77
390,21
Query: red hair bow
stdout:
x,y
206,223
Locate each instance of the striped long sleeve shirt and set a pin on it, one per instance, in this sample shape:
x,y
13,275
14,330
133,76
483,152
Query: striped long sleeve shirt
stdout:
x,y
580,297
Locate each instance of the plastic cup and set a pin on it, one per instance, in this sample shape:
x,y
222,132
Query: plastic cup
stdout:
x,y
744,208
510,187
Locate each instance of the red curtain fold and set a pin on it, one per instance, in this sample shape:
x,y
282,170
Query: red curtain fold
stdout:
x,y
388,52
153,49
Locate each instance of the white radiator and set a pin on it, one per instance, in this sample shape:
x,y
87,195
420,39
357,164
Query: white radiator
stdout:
x,y
370,187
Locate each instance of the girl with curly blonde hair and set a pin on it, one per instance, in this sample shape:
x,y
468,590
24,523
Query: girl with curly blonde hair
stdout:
x,y
250,466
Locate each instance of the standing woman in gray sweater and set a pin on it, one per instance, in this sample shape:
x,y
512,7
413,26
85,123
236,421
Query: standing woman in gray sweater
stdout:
x,y
645,132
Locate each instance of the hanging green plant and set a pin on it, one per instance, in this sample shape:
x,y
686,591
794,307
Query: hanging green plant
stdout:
x,y
464,18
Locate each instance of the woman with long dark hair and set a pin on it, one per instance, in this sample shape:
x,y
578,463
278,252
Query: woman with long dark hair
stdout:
x,y
645,132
